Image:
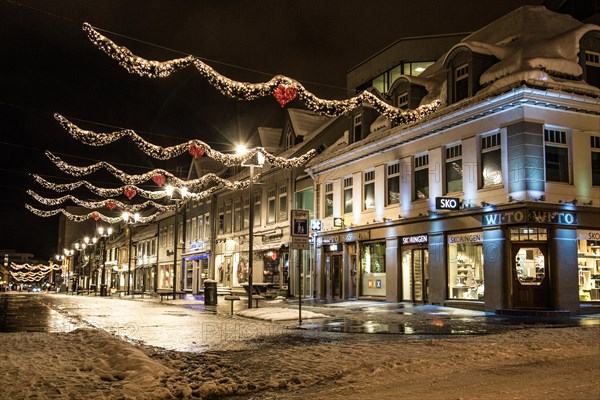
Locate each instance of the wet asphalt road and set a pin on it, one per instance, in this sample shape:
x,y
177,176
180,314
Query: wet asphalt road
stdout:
x,y
190,326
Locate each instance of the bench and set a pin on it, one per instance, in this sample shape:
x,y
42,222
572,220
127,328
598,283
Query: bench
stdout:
x,y
232,299
257,298
140,293
168,294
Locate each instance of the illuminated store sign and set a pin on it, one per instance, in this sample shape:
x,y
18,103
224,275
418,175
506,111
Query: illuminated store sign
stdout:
x,y
524,216
417,239
447,203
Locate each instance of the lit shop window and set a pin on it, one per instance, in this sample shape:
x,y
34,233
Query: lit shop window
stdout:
x,y
421,177
588,263
393,184
348,195
556,152
454,170
373,269
491,160
369,190
465,266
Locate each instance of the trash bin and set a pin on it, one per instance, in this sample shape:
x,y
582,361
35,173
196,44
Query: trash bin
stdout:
x,y
210,292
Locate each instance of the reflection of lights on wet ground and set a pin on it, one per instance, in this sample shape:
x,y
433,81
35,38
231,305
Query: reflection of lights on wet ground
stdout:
x,y
437,322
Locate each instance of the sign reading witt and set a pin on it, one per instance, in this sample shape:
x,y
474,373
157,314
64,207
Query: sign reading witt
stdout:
x,y
537,216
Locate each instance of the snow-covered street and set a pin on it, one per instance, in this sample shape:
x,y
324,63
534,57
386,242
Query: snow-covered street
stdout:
x,y
212,354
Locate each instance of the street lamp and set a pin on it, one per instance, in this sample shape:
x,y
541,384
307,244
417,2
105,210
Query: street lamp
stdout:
x,y
257,161
103,235
177,195
129,219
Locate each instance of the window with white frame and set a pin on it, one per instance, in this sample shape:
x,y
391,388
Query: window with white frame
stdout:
x,y
257,215
393,184
369,190
180,236
348,195
328,199
403,101
592,67
246,213
228,219
556,154
461,82
194,230
454,169
595,145
491,160
221,216
271,205
171,235
200,233
207,231
283,206
357,128
188,230
421,168
289,137
318,209
237,214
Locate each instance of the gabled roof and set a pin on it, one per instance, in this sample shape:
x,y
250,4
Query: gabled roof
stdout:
x,y
270,138
305,121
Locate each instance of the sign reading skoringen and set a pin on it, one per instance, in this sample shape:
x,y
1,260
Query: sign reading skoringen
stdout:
x,y
299,229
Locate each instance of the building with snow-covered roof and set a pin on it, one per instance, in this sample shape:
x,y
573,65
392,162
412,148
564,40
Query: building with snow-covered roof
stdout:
x,y
492,202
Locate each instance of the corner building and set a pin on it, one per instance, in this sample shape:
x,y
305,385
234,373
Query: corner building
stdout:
x,y
490,203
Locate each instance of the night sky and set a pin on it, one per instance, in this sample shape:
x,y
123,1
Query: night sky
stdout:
x,y
48,65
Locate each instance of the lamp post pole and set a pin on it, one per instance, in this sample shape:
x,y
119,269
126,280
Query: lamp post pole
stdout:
x,y
250,237
129,262
175,244
103,235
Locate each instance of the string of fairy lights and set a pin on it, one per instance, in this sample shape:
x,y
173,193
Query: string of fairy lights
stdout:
x,y
196,148
283,88
31,273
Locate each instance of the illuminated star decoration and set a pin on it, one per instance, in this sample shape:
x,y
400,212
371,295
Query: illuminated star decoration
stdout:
x,y
282,87
195,147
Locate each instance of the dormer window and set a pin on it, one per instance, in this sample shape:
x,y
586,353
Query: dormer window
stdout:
x,y
289,137
403,101
357,128
589,57
461,82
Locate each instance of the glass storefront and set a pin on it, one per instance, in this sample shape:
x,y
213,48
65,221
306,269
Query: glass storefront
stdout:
x,y
588,262
373,269
465,266
165,277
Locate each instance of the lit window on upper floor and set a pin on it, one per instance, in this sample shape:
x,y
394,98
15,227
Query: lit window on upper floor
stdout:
x,y
556,155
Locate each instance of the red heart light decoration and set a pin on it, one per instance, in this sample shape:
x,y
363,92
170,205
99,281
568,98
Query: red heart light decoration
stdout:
x,y
96,216
196,151
130,193
111,205
284,94
159,179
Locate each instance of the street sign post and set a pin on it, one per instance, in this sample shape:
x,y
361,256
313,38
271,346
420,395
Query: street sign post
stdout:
x,y
299,229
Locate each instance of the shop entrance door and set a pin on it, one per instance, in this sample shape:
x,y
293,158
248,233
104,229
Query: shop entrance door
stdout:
x,y
336,276
227,271
530,277
420,270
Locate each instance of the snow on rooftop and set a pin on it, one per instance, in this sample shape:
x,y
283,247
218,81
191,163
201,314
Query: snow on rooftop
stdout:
x,y
530,43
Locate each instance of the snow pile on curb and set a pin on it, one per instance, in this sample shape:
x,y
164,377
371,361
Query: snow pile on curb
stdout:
x,y
278,314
